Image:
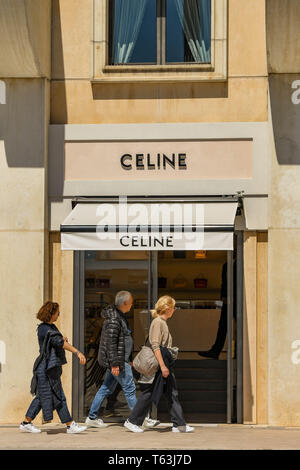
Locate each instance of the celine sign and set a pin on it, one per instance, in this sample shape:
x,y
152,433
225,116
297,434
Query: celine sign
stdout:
x,y
160,161
147,241
149,226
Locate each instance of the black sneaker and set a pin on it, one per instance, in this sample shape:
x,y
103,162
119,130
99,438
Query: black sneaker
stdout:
x,y
210,354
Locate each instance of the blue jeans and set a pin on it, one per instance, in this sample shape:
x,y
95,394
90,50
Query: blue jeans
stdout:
x,y
125,379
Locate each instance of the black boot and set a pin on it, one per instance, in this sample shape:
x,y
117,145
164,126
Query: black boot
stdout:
x,y
210,354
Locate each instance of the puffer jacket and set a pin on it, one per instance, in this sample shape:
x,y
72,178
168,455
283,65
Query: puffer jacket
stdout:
x,y
112,342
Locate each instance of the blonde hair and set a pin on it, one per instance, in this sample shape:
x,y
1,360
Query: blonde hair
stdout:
x,y
164,303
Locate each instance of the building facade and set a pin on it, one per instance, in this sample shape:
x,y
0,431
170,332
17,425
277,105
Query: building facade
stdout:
x,y
85,121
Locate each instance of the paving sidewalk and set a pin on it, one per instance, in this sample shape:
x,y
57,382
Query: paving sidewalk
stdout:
x,y
116,437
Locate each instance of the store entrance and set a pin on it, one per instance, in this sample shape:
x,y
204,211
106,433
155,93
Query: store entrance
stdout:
x,y
106,273
194,279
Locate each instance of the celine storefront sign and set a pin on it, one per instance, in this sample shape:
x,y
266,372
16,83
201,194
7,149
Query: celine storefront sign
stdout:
x,y
149,161
149,226
142,161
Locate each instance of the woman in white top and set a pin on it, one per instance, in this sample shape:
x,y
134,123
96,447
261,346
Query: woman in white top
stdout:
x,y
159,336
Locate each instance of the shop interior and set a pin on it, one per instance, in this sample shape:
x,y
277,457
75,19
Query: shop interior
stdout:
x,y
192,278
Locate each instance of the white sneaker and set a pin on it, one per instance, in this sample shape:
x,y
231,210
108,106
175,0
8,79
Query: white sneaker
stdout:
x,y
29,428
150,423
132,427
95,423
75,428
183,429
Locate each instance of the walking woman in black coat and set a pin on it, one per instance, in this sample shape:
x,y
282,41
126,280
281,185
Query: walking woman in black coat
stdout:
x,y
46,383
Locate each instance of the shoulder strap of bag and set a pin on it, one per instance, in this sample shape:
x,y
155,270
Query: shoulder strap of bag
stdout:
x,y
149,344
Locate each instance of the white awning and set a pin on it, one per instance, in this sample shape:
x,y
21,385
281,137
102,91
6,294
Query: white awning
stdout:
x,y
150,226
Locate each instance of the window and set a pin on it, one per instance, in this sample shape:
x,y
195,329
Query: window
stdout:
x,y
139,41
159,32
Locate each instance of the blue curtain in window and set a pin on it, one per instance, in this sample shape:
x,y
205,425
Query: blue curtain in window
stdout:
x,y
128,17
195,16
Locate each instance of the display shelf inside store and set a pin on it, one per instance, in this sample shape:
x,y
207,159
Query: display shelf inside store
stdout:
x,y
188,260
189,290
99,290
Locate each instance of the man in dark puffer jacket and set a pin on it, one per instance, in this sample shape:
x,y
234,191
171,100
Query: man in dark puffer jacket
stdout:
x,y
114,353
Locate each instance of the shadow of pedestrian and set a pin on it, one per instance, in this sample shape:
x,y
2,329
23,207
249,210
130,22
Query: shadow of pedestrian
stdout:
x,y
55,431
161,430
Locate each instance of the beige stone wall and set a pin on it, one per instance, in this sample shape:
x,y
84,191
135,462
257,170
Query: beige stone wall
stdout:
x,y
284,242
242,98
76,100
283,36
255,347
262,348
79,102
35,268
250,328
25,36
23,144
284,221
25,33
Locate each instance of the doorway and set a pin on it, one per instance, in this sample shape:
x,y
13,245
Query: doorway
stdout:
x,y
207,387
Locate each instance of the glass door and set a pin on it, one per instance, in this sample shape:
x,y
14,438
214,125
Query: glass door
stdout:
x,y
105,274
194,279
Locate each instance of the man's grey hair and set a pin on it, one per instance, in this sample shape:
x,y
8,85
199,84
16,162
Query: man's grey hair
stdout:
x,y
122,297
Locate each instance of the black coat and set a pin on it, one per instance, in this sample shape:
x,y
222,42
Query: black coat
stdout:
x,y
160,382
112,342
47,370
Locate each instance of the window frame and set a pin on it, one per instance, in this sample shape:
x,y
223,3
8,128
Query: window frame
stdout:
x,y
161,40
102,71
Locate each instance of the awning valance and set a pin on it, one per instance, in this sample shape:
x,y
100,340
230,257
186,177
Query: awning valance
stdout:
x,y
150,226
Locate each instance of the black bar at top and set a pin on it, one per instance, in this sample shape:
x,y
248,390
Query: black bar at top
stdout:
x,y
144,228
